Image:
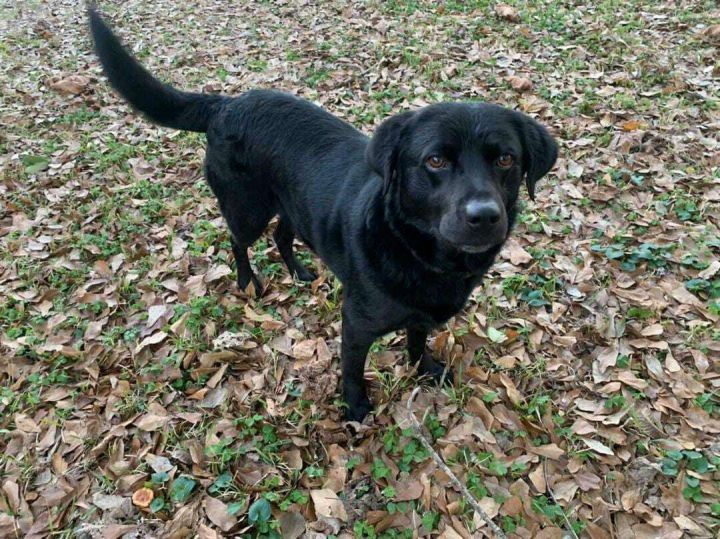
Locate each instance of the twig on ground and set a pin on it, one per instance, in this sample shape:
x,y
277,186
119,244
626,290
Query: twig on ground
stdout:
x,y
444,467
569,530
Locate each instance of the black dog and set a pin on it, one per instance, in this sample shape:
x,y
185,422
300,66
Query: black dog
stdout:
x,y
409,221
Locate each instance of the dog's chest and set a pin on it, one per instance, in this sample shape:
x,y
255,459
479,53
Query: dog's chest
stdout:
x,y
434,306
441,312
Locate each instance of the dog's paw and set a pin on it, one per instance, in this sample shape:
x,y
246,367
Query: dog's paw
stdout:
x,y
435,370
252,286
304,274
357,411
258,286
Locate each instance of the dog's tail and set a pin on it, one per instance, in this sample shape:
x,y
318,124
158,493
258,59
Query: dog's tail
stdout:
x,y
160,103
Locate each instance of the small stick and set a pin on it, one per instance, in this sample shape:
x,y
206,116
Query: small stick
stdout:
x,y
444,467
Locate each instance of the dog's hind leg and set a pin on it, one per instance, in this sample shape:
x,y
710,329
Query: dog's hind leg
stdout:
x,y
247,210
245,274
284,236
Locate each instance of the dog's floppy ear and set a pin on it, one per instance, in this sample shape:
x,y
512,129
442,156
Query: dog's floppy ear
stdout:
x,y
382,152
540,152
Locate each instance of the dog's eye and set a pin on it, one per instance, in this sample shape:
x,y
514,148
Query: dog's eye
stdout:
x,y
436,162
505,161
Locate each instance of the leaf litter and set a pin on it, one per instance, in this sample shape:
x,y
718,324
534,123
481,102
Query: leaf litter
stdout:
x,y
133,369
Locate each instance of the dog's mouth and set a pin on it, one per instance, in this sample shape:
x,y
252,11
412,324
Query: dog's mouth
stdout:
x,y
469,248
461,239
475,249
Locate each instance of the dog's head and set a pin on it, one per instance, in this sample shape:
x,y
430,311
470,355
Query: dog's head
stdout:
x,y
455,169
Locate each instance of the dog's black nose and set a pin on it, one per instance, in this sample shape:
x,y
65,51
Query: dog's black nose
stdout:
x,y
482,212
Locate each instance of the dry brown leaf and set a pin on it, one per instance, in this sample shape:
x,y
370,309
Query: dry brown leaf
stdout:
x,y
155,338
512,392
151,422
565,490
72,85
255,317
520,84
551,451
607,357
217,272
292,525
218,514
711,270
587,481
304,350
682,295
205,532
598,447
551,532
507,12
26,424
712,32
408,490
516,253
688,524
116,531
158,464
537,476
327,504
59,464
336,478
652,330
629,378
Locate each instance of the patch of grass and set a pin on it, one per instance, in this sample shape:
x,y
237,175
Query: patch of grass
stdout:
x,y
82,115
651,255
107,154
553,512
257,65
315,75
536,290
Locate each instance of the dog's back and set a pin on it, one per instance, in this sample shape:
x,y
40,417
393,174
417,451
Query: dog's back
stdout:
x,y
268,152
290,154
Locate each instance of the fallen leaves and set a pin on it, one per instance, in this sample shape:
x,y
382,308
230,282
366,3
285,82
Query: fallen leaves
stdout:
x,y
218,514
292,525
586,358
712,32
507,12
71,85
607,357
155,338
327,504
515,252
520,84
152,422
598,447
512,392
217,272
551,451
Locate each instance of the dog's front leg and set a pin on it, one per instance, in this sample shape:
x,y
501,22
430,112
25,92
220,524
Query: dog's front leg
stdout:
x,y
356,342
416,338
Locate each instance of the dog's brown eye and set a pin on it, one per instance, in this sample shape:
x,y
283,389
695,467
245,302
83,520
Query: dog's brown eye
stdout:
x,y
436,162
505,161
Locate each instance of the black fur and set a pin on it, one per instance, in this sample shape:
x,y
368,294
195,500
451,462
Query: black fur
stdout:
x,y
408,240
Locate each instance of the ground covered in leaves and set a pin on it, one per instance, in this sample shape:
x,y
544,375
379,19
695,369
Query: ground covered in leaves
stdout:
x,y
142,394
